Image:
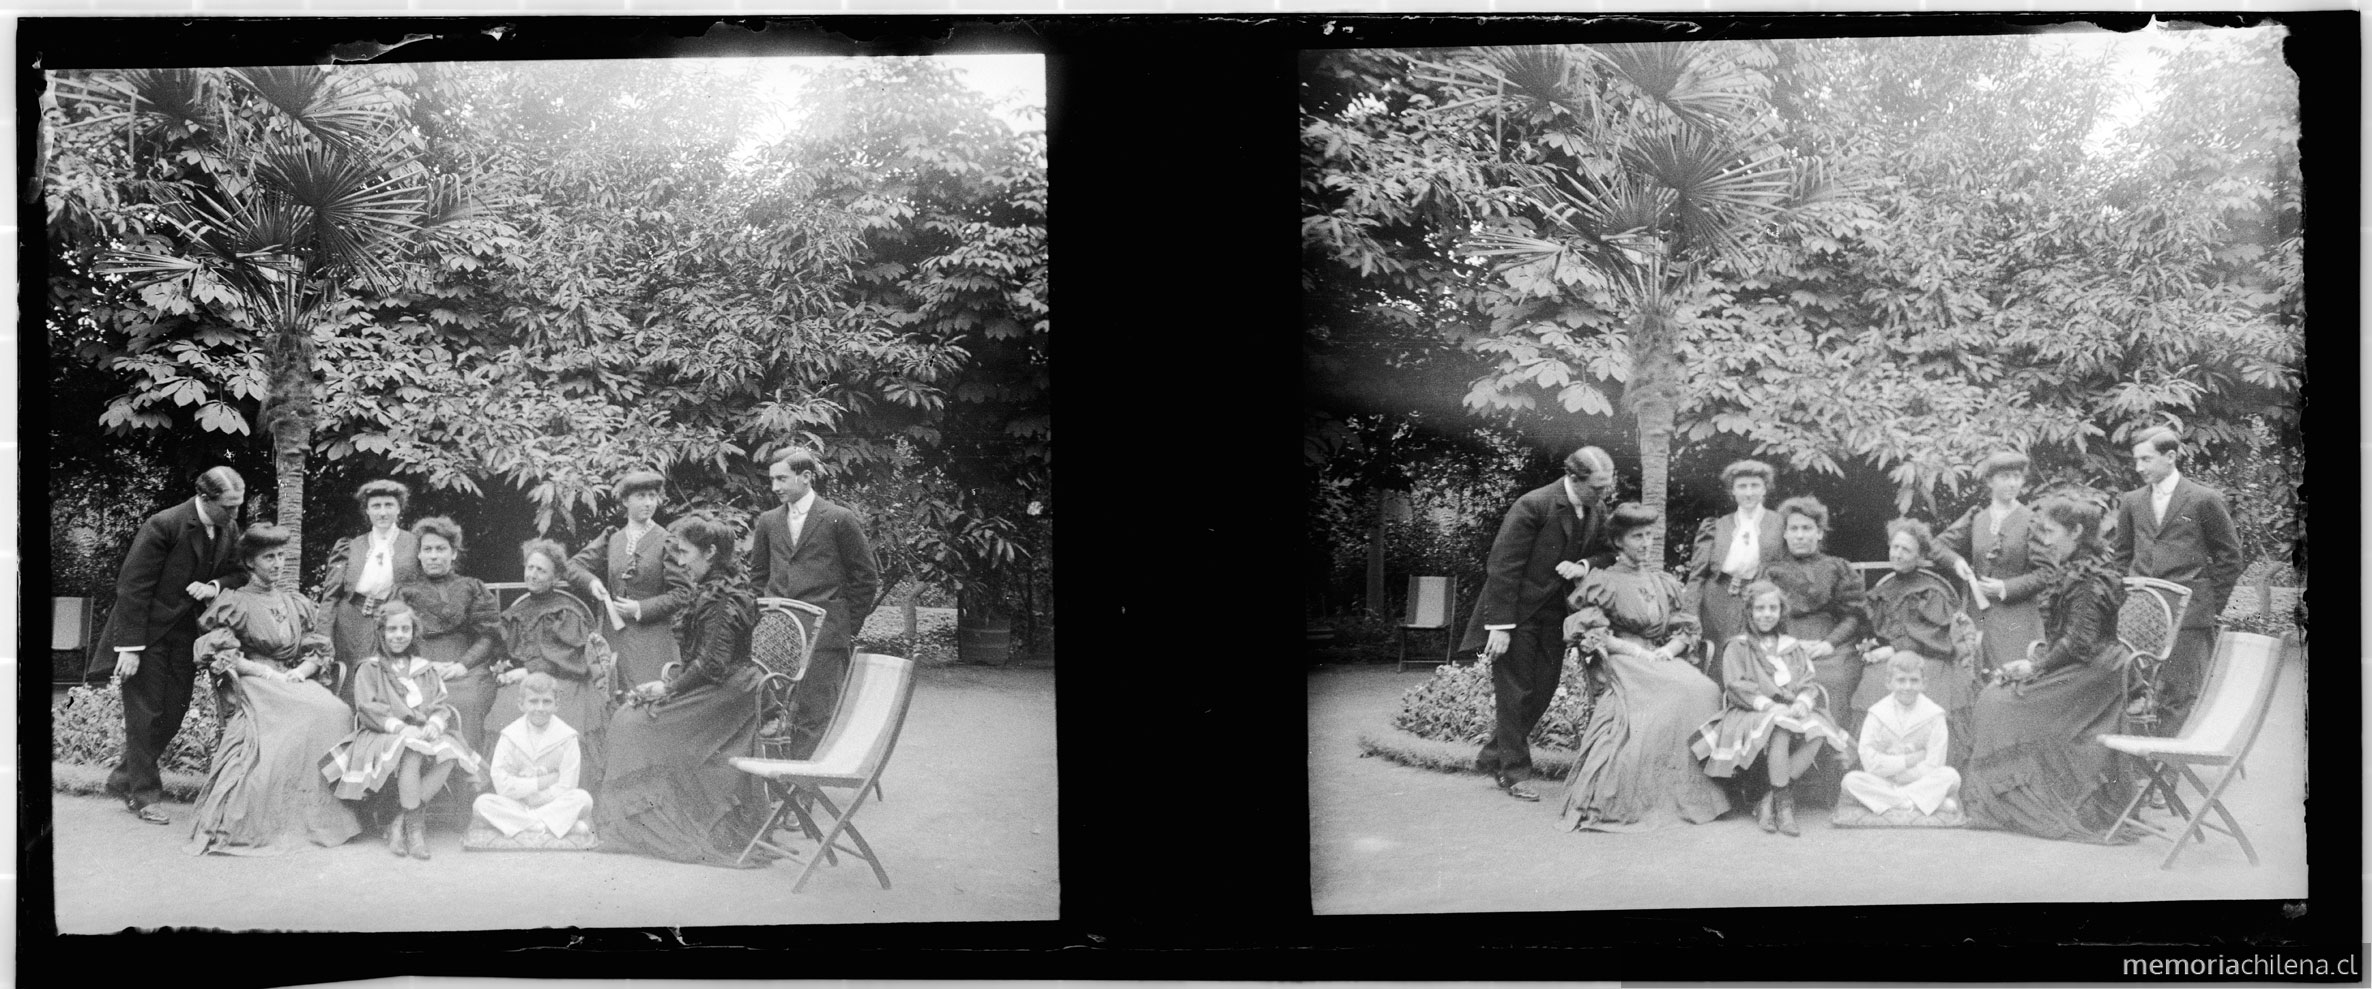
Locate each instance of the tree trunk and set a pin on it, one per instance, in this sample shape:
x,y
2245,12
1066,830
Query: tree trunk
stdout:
x,y
1651,400
290,419
1375,559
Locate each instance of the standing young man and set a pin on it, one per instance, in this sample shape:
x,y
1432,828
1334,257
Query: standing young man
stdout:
x,y
814,551
2173,528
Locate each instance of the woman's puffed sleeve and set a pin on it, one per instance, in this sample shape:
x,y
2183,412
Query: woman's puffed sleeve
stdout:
x,y
1923,620
724,622
2090,625
1588,624
484,622
568,628
1849,603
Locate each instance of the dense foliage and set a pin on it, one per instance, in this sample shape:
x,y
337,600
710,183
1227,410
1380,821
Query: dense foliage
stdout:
x,y
2019,248
662,265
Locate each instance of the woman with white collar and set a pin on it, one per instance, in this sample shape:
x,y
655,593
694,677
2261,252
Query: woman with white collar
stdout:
x,y
363,573
1732,550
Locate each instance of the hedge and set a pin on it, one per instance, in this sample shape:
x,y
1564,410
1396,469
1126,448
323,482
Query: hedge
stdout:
x,y
1454,709
87,729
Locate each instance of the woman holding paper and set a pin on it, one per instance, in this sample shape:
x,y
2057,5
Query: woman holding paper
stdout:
x,y
1993,548
628,574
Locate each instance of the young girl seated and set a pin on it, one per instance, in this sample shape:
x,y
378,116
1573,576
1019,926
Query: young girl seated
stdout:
x,y
1773,709
535,768
1903,742
400,715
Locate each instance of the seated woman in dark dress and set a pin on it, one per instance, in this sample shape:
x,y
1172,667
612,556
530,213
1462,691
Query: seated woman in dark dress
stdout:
x,y
2036,764
266,660
551,631
460,627
1824,602
671,791
1911,611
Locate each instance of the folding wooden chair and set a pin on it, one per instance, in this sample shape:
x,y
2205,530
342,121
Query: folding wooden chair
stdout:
x,y
852,754
69,632
1432,604
2223,726
2147,625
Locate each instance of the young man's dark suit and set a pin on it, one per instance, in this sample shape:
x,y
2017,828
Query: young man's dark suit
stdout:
x,y
831,566
2195,547
1523,589
153,610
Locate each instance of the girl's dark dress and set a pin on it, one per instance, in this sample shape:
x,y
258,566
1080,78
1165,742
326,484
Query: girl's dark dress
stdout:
x,y
2037,765
457,622
670,790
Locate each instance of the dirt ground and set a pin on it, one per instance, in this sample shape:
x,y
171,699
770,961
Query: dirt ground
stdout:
x,y
1387,838
967,832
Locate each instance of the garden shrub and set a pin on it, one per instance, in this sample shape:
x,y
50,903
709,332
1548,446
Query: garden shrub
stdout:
x,y
1456,705
885,632
87,729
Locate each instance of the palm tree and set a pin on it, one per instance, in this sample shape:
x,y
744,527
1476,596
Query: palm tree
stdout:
x,y
267,199
1670,163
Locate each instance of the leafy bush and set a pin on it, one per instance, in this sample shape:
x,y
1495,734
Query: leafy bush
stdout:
x,y
2275,623
1456,705
87,729
885,632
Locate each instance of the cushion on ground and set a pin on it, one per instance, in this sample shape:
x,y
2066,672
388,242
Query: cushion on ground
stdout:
x,y
1851,814
483,837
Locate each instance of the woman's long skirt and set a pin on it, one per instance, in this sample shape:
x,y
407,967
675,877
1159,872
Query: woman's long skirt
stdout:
x,y
353,640
265,794
671,792
644,650
2036,764
1634,770
471,694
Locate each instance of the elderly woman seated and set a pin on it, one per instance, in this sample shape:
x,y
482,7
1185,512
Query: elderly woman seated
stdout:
x,y
551,631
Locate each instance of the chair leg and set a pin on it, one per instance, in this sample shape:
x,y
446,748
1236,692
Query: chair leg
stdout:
x,y
877,797
840,823
2215,801
772,817
1403,665
807,823
2140,793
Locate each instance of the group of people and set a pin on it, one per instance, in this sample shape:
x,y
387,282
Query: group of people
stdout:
x,y
404,670
1766,653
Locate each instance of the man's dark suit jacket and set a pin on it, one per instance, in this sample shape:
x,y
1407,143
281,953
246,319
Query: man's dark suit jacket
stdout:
x,y
831,567
1540,532
169,553
2196,547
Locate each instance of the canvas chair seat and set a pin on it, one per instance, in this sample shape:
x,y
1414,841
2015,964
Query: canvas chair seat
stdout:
x,y
2223,727
852,755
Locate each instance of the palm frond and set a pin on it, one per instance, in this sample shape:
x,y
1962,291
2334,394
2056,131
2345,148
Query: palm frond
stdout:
x,y
355,218
1687,78
314,99
1720,190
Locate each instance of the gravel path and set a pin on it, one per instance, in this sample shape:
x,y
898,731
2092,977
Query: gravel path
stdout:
x,y
1387,838
967,832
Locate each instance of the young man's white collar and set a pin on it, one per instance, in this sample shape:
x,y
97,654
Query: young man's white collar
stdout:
x,y
2165,489
805,502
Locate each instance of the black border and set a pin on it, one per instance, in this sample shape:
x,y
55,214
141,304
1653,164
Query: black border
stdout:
x,y
1181,716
